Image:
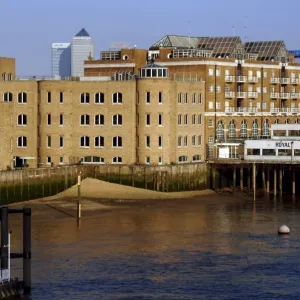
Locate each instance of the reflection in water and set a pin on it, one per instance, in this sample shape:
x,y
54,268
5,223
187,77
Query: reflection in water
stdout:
x,y
168,250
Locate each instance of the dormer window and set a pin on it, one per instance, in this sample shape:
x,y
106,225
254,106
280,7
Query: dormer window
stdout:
x,y
154,71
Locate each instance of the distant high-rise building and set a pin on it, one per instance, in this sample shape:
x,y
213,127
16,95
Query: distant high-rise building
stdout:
x,y
61,59
82,49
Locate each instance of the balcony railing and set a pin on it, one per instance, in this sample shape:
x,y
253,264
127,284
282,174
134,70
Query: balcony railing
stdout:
x,y
274,80
229,109
273,110
241,79
285,95
295,80
229,78
241,94
274,95
285,80
252,79
229,94
295,95
252,94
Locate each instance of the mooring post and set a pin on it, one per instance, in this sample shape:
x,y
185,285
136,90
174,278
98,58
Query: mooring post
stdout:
x,y
280,180
234,179
27,249
79,196
294,185
254,181
268,180
4,237
242,178
275,181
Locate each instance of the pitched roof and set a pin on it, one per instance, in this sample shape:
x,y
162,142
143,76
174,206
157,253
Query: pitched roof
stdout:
x,y
82,33
175,41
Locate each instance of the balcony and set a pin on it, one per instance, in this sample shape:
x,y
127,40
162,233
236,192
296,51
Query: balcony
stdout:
x,y
295,80
229,109
285,80
285,95
295,110
229,78
252,79
241,94
229,95
252,94
274,95
295,95
274,80
241,109
241,79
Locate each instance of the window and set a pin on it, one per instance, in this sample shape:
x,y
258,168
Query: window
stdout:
x,y
99,120
179,143
8,97
85,120
4,76
218,105
160,160
210,105
117,160
193,140
255,128
22,98
186,98
266,131
210,123
85,98
199,119
147,141
160,119
99,98
218,72
117,120
200,98
160,97
92,159
232,132
185,119
147,119
268,151
61,142
61,120
179,119
211,72
194,119
61,159
48,160
84,141
210,88
10,77
99,141
48,119
179,98
218,88
48,141
197,157
22,141
220,130
183,158
244,128
160,141
49,97
22,120
185,141
61,97
210,139
148,97
199,140
147,160
117,98
117,141
194,98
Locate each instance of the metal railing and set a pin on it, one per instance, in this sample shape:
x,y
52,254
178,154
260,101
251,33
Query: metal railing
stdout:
x,y
241,79
229,78
274,80
252,79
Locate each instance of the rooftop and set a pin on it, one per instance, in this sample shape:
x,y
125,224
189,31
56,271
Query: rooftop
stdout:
x,y
82,33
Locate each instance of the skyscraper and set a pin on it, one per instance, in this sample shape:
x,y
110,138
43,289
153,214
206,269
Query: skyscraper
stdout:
x,y
61,59
82,49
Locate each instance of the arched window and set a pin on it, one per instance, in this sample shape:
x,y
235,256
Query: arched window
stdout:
x,y
117,120
185,141
183,159
179,119
194,140
194,119
85,98
277,121
22,98
287,121
266,129
199,119
4,76
92,160
84,141
179,98
179,141
117,141
186,98
200,98
197,157
9,77
99,120
99,141
231,132
22,120
22,141
194,95
85,120
255,128
243,131
220,130
8,97
99,98
117,98
117,160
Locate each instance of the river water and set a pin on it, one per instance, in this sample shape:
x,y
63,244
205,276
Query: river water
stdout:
x,y
185,249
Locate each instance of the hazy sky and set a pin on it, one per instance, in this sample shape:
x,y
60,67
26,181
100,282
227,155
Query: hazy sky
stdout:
x,y
29,27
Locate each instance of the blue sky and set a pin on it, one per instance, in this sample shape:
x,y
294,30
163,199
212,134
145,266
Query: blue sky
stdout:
x,y
29,27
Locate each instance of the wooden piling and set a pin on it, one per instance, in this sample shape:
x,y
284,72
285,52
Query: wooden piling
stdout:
x,y
275,181
254,181
264,180
249,179
294,183
280,179
242,178
214,177
234,179
268,180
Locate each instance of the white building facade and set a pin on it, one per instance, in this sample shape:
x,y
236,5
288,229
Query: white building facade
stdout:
x,y
61,60
82,49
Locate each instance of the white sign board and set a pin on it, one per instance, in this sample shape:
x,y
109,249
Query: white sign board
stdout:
x,y
224,152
